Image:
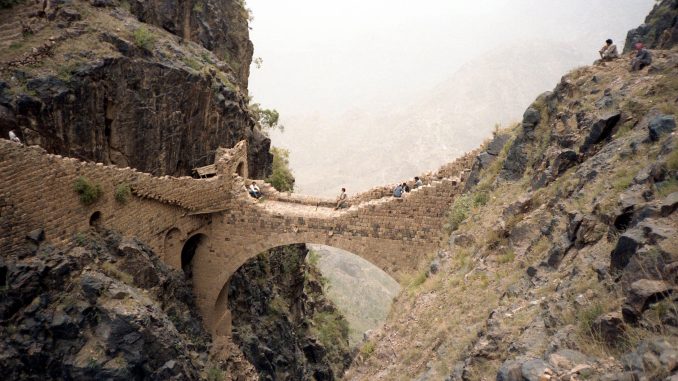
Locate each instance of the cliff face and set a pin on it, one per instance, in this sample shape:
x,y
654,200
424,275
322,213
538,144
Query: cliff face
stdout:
x,y
660,30
282,321
97,84
106,308
218,25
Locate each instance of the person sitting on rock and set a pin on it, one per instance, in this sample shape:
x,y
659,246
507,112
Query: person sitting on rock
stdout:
x,y
13,137
417,183
609,51
406,188
341,200
398,191
254,190
642,59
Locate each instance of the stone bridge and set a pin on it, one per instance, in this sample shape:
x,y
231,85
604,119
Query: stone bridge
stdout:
x,y
210,227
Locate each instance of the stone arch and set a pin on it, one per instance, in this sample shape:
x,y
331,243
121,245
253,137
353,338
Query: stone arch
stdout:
x,y
96,220
196,245
217,312
240,169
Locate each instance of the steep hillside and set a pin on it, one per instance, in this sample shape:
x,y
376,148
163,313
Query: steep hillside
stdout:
x,y
561,261
154,86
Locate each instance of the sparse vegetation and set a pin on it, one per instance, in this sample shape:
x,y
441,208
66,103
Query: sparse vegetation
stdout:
x,y
215,374
89,192
192,63
281,177
144,38
113,271
122,193
367,349
460,211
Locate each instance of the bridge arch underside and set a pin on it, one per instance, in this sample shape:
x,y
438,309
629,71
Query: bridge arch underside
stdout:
x,y
211,274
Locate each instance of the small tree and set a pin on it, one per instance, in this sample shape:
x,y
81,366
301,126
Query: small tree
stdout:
x,y
281,177
269,119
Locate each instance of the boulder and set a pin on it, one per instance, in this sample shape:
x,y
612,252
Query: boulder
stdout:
x,y
669,205
563,161
609,327
567,359
534,370
626,247
531,117
69,14
510,370
37,235
520,206
497,144
653,356
641,295
661,125
600,130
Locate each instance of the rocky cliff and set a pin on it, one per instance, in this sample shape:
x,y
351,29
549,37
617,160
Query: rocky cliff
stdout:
x,y
157,86
105,308
282,321
660,30
561,261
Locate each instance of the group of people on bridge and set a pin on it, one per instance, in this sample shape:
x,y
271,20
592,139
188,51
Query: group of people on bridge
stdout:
x,y
401,189
639,59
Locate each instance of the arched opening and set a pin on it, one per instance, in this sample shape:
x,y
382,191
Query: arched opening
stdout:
x,y
194,245
95,220
240,169
281,298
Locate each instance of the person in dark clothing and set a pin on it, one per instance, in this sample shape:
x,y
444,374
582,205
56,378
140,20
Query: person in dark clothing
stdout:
x,y
406,188
642,59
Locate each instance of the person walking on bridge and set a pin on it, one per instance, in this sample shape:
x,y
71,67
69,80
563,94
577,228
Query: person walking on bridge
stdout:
x,y
341,200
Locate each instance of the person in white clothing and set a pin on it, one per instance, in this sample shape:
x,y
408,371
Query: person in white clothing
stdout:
x,y
254,190
13,137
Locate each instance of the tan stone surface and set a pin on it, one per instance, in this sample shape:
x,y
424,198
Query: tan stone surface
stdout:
x,y
394,234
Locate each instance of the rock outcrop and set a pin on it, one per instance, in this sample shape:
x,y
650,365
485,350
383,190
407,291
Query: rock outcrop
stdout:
x,y
115,90
282,321
660,30
107,308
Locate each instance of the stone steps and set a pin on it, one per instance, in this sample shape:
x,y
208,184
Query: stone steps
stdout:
x,y
10,22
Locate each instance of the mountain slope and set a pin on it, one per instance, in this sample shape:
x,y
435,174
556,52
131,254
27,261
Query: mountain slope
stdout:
x,y
561,263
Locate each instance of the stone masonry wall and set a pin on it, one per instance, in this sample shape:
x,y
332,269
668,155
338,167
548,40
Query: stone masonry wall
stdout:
x,y
37,193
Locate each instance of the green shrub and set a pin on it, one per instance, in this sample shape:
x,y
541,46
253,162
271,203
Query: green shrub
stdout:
x,y
88,191
215,374
331,328
481,199
122,193
281,177
587,316
143,38
460,211
367,349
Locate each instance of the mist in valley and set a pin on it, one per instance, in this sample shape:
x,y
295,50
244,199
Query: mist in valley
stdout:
x,y
371,93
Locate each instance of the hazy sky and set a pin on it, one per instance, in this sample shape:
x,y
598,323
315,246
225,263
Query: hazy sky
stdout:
x,y
328,57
